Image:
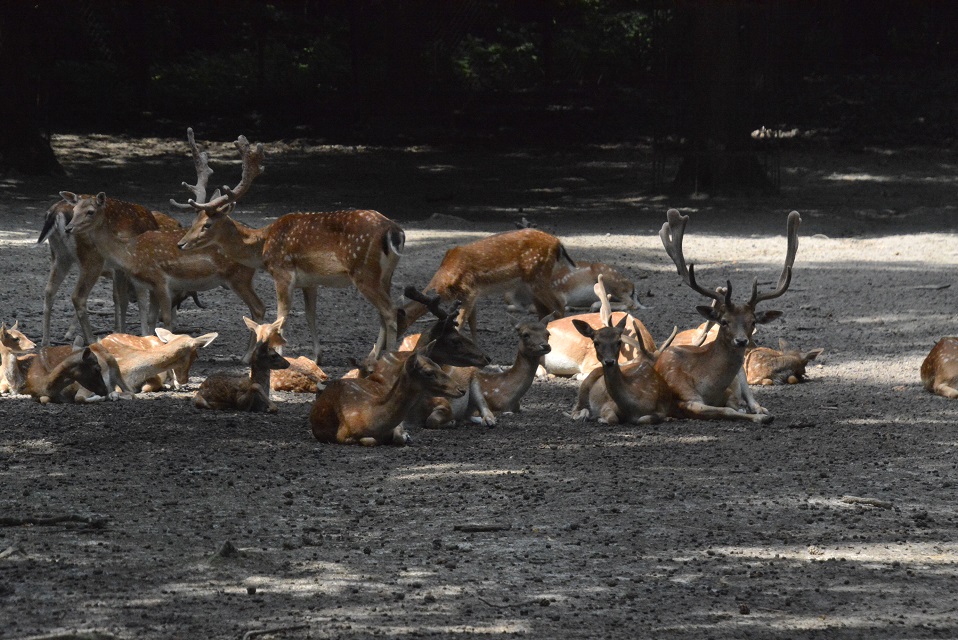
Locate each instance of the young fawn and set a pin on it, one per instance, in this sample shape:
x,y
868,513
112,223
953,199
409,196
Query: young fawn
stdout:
x,y
246,393
939,371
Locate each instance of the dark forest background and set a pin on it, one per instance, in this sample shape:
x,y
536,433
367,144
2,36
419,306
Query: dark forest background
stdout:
x,y
693,76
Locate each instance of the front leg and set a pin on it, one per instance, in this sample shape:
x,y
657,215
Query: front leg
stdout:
x,y
478,401
744,393
309,299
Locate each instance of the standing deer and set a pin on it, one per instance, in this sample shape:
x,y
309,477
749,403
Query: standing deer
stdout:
x,y
246,393
492,265
702,377
359,248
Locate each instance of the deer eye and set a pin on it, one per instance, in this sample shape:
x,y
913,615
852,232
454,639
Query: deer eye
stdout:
x,y
207,226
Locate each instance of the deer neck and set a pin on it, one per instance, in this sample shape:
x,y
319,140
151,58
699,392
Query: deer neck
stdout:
x,y
244,244
51,383
259,373
14,368
400,399
723,359
515,381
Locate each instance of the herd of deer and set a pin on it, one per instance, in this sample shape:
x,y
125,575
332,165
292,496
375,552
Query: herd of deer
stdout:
x,y
429,380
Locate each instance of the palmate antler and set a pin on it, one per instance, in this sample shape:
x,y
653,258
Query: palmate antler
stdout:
x,y
794,220
221,203
672,234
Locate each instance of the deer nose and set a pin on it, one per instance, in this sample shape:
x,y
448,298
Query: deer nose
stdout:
x,y
608,362
741,342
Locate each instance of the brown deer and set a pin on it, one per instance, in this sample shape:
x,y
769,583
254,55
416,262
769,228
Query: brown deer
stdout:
x,y
493,264
367,412
491,393
358,248
572,352
146,362
13,343
939,370
574,286
707,379
246,392
766,366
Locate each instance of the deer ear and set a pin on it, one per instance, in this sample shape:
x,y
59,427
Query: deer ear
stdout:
x,y
620,325
764,317
811,355
584,328
555,315
69,196
708,312
164,334
250,324
101,198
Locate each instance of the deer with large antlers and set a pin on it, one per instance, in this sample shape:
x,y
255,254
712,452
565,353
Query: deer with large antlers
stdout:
x,y
702,377
358,248
492,265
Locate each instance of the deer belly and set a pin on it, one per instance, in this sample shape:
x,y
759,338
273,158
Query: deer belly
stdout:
x,y
561,364
307,279
204,283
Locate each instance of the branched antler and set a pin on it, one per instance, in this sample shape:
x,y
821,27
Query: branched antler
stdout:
x,y
672,234
224,203
794,220
201,160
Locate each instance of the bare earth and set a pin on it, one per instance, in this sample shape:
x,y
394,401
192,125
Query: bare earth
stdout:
x,y
685,530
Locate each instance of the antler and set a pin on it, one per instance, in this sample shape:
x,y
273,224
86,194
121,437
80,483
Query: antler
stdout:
x,y
671,234
433,303
201,160
794,220
252,168
605,308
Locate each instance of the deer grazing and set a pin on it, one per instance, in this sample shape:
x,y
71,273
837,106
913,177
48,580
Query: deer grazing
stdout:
x,y
492,265
246,392
939,370
574,286
702,377
358,248
368,412
146,362
490,393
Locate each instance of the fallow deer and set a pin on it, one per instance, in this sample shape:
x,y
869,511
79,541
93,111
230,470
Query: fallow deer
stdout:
x,y
766,366
492,265
574,286
939,370
246,392
13,343
702,377
156,265
358,248
364,411
490,393
146,362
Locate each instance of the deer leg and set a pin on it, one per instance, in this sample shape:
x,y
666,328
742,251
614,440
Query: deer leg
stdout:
x,y
284,295
743,391
309,299
946,391
478,401
440,415
121,300
702,411
242,285
58,272
89,274
388,322
546,300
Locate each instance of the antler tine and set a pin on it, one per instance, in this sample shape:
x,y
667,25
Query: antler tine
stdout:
x,y
672,233
794,220
201,161
605,309
252,168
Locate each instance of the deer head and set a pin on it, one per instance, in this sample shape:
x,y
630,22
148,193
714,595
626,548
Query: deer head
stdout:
x,y
736,321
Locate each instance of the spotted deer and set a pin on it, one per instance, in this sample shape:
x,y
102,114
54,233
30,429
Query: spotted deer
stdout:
x,y
367,412
939,370
357,247
492,265
246,392
766,366
574,286
146,362
13,344
707,379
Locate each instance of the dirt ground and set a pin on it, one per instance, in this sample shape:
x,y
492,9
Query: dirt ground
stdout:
x,y
687,530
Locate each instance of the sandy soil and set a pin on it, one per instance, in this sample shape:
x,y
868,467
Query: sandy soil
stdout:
x,y
689,529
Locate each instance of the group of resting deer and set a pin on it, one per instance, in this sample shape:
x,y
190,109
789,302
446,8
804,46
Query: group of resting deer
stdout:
x,y
430,380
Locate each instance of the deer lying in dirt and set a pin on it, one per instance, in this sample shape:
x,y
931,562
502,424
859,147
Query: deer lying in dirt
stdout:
x,y
574,287
146,362
766,366
706,379
58,374
491,393
246,393
367,412
492,265
939,370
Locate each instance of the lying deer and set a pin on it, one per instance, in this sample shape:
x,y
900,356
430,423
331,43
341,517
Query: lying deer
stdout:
x,y
358,248
367,412
939,370
493,264
765,366
146,362
574,287
13,344
491,393
246,393
572,352
702,377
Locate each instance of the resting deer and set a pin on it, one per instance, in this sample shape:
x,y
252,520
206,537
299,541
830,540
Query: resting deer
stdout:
x,y
492,265
359,248
574,286
766,366
145,362
939,370
491,393
13,343
246,392
364,411
702,377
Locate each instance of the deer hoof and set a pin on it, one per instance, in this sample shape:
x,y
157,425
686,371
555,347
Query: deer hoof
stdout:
x,y
763,418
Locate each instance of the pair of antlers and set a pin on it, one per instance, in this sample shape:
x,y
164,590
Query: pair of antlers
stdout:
x,y
220,203
672,234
